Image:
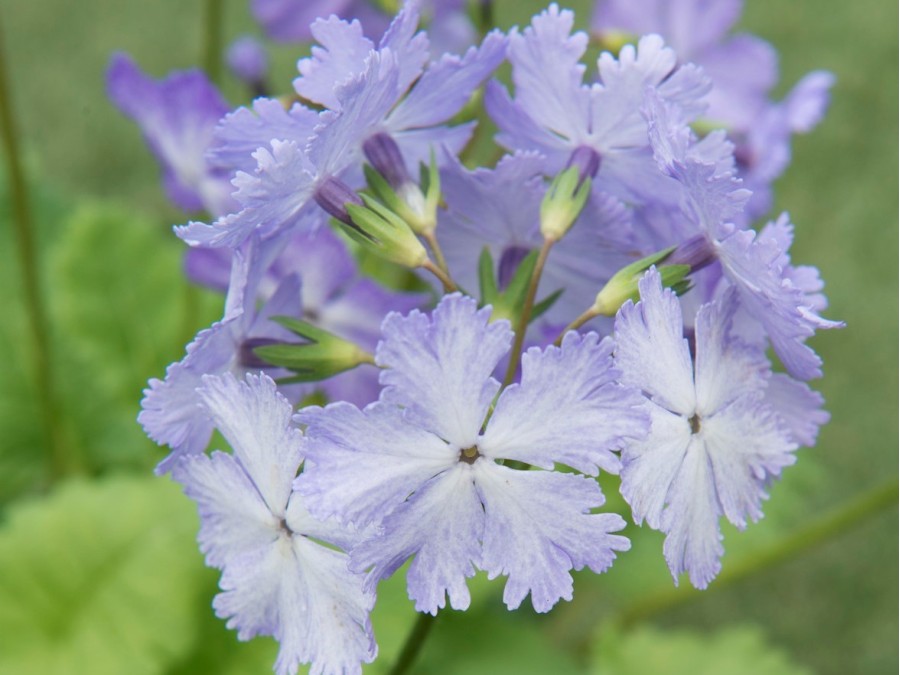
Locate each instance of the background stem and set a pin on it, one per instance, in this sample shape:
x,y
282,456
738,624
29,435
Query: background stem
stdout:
x,y
413,644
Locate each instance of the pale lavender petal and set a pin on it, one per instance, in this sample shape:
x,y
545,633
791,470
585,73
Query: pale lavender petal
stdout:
x,y
441,525
411,49
177,116
255,419
724,369
289,20
538,527
303,595
691,521
808,101
416,145
548,73
798,406
743,69
651,350
360,465
209,267
233,517
569,408
342,55
518,131
439,368
244,131
649,466
446,85
747,447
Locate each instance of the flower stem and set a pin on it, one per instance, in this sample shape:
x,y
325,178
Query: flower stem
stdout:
x,y
443,277
212,39
576,626
435,247
413,644
586,316
62,458
522,327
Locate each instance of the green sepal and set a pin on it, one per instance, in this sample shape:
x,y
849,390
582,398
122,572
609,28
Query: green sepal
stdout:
x,y
563,203
510,302
323,355
623,285
385,233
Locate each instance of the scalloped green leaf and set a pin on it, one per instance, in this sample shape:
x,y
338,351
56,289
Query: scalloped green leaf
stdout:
x,y
738,650
101,578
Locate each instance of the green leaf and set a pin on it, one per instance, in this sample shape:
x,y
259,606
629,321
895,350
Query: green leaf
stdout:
x,y
100,577
122,311
730,651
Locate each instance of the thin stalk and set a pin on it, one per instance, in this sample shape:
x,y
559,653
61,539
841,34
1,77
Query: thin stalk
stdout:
x,y
586,316
443,277
212,39
413,645
522,326
435,247
61,458
575,627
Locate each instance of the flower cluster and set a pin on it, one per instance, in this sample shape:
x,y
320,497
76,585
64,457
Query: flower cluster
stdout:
x,y
598,300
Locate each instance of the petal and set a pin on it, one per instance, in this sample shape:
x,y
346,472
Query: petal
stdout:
x,y
747,447
441,525
538,527
244,131
798,406
548,73
256,421
234,520
651,350
725,369
569,408
439,368
361,465
649,466
447,84
303,595
342,55
691,520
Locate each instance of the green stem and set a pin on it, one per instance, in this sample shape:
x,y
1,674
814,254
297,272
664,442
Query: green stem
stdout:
x,y
586,316
436,249
212,39
448,283
575,627
522,326
413,644
62,459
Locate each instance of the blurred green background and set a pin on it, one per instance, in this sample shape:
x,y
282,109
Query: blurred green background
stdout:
x,y
99,572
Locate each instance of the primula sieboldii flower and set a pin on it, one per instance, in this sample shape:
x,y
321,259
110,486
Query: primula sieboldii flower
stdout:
x,y
743,69
367,92
169,411
277,578
423,463
722,427
500,209
783,301
177,117
555,113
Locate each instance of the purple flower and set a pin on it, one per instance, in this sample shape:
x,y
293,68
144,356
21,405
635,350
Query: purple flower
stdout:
x,y
722,427
177,117
500,209
555,112
278,578
424,465
783,301
247,59
743,69
170,413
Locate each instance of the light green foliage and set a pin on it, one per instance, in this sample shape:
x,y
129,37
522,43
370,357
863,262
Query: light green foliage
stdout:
x,y
731,651
99,577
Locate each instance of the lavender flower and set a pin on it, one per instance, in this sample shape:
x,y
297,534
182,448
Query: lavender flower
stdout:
x,y
424,465
278,578
169,411
177,117
555,113
743,69
722,428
